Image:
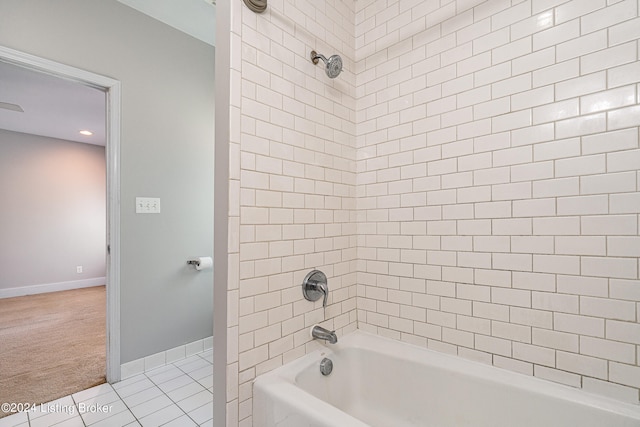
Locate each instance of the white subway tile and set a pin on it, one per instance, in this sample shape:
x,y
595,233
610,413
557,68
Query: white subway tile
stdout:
x,y
623,75
610,141
583,205
556,111
623,246
556,73
556,149
534,208
608,58
581,285
511,121
582,245
581,85
532,25
558,303
514,262
620,182
558,376
625,203
509,86
492,142
556,34
554,339
492,74
623,117
556,187
561,264
609,225
608,100
623,268
526,316
582,125
624,374
610,350
584,365
568,226
511,226
584,165
532,98
534,281
534,354
609,16
625,289
493,345
628,332
490,40
533,134
581,46
581,325
574,9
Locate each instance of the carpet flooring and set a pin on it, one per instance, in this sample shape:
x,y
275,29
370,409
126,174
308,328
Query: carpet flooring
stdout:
x,y
51,345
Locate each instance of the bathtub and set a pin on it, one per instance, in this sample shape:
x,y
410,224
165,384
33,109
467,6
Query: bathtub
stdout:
x,y
379,382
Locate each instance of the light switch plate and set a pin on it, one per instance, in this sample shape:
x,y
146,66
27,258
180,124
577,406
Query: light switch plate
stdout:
x,y
147,205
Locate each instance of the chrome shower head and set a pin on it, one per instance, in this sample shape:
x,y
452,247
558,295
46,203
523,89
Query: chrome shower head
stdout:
x,y
333,65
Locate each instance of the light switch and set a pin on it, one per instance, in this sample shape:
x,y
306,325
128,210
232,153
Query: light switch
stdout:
x,y
147,205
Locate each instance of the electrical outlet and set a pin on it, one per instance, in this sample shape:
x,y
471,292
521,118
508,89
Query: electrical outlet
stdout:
x,y
79,269
147,205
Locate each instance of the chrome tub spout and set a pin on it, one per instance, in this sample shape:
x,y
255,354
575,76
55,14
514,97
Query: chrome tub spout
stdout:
x,y
324,334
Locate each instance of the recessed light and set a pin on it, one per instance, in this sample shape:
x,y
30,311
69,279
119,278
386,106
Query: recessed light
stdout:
x,y
86,133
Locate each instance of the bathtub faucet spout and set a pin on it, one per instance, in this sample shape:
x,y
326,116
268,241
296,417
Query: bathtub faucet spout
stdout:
x,y
324,334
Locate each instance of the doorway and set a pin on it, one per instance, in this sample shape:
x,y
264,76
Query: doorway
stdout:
x,y
111,88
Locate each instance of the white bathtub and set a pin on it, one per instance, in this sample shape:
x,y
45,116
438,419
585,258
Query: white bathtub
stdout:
x,y
378,382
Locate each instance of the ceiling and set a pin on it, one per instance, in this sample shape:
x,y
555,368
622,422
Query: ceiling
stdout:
x,y
53,106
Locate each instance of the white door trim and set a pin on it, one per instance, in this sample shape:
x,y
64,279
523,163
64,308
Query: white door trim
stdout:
x,y
112,89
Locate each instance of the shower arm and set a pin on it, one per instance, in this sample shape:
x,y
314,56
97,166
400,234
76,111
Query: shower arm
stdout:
x,y
315,56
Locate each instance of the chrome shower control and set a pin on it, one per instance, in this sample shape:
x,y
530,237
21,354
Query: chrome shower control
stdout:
x,y
315,287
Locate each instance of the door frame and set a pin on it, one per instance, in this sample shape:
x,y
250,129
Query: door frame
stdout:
x,y
111,88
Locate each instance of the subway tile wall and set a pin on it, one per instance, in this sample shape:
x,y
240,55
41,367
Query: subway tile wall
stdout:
x,y
292,204
498,183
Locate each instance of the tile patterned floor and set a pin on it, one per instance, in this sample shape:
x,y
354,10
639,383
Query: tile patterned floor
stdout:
x,y
176,395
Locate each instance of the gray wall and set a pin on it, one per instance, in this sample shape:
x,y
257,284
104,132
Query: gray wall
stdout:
x,y
166,151
53,210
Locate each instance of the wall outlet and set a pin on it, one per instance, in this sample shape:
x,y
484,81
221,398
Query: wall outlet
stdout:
x,y
79,269
147,205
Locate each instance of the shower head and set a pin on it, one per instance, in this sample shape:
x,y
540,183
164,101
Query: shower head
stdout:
x,y
333,65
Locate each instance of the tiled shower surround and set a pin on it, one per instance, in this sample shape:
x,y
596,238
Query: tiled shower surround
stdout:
x,y
469,183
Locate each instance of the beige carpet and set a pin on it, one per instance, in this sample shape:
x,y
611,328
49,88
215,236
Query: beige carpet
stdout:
x,y
51,345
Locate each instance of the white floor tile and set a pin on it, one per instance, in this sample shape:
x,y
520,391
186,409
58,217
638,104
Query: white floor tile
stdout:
x,y
142,396
183,421
202,414
135,387
151,406
203,372
207,381
14,420
164,374
161,417
176,395
73,422
185,391
194,364
194,402
92,414
92,392
125,418
207,423
175,383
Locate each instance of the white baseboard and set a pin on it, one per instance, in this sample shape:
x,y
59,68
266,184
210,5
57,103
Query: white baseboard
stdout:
x,y
51,287
162,358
